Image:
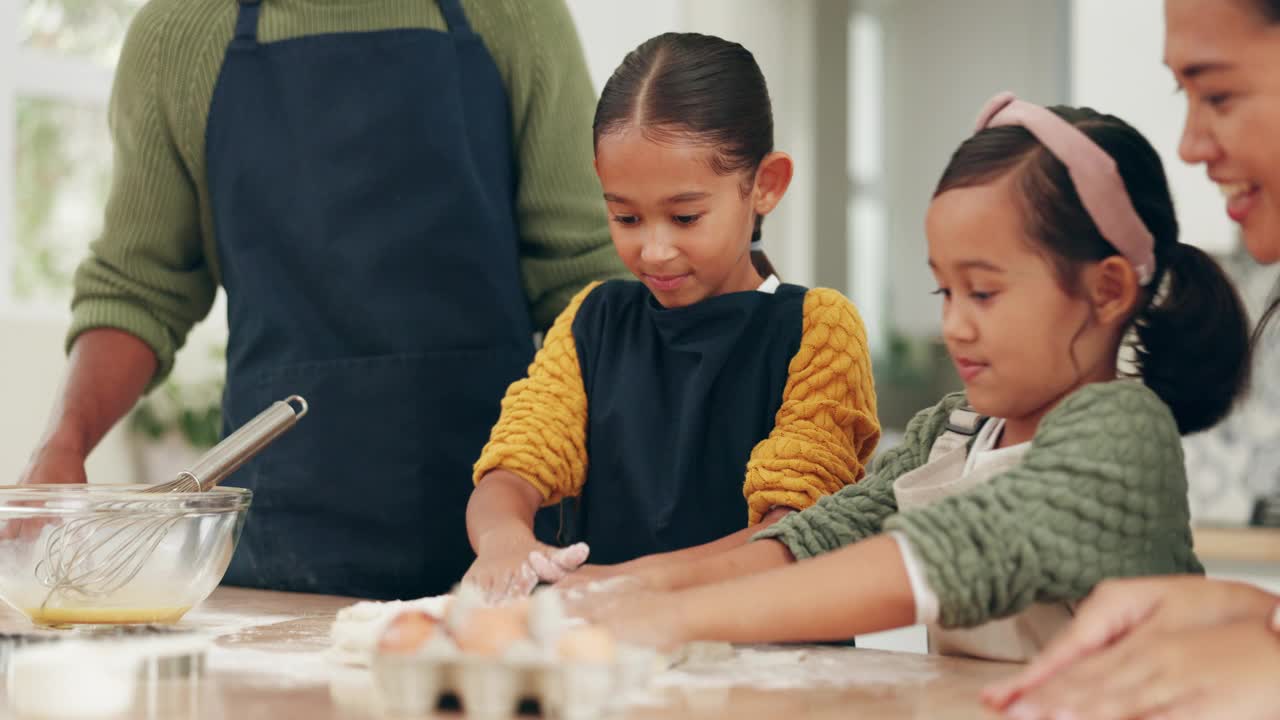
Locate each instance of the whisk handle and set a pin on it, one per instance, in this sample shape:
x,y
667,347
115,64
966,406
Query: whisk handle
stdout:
x,y
237,448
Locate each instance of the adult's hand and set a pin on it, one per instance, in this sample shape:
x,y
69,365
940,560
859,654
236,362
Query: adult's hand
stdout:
x,y
50,465
1139,606
106,374
1218,671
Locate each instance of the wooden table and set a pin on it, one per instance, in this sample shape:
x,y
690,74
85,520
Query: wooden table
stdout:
x,y
269,661
1256,545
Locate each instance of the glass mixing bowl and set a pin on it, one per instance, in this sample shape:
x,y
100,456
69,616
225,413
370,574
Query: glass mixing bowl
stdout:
x,y
111,554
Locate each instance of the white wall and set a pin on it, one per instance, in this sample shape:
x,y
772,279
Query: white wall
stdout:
x,y
1117,50
609,29
1101,53
943,60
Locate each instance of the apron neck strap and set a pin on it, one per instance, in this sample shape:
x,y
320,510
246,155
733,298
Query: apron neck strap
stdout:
x,y
454,18
962,427
247,22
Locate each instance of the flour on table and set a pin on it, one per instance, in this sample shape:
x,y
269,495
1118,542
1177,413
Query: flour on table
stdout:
x,y
263,668
220,624
791,668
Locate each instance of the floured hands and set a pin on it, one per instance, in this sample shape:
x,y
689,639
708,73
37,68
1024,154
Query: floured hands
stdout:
x,y
511,568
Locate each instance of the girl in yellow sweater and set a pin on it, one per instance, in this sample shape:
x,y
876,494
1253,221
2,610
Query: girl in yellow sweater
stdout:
x,y
685,410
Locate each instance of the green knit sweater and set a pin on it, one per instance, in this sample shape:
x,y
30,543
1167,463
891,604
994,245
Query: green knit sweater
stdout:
x,y
154,270
1102,492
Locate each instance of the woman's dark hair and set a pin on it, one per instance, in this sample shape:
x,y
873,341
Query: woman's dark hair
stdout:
x,y
687,85
1192,346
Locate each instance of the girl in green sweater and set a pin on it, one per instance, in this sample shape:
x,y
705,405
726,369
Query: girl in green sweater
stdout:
x,y
1054,243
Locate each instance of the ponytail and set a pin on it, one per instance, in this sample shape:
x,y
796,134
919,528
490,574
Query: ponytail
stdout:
x,y
1193,345
758,259
761,263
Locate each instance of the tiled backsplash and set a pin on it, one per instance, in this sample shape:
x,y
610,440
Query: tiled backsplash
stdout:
x,y
1232,464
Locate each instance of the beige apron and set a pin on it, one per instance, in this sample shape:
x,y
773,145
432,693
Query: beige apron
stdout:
x,y
1014,639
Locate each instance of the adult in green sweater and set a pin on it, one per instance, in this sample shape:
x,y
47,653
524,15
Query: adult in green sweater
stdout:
x,y
1188,647
1049,235
395,195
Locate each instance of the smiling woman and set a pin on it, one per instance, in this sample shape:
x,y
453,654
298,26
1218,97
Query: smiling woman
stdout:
x,y
1187,647
1224,59
1222,55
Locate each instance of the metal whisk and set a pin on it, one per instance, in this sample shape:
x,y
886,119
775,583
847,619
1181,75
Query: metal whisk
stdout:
x,y
100,553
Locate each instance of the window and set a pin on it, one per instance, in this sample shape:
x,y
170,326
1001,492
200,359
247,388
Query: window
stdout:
x,y
867,228
55,151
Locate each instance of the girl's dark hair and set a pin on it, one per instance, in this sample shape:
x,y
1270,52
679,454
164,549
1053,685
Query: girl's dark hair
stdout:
x,y
687,85
1192,331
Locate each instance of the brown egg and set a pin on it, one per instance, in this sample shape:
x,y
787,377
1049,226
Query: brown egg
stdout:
x,y
587,644
408,632
491,631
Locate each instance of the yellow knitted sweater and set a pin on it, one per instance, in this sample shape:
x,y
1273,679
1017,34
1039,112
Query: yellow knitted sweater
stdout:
x,y
824,433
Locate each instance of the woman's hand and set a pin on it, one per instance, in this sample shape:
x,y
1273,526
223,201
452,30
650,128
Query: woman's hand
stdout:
x,y
1139,606
1219,671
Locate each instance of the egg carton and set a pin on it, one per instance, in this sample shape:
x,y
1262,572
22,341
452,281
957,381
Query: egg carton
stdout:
x,y
494,688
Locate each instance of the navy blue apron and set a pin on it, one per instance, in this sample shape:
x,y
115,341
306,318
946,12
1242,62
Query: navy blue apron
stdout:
x,y
676,401
363,191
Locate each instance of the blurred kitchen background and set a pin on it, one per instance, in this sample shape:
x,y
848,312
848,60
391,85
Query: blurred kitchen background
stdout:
x,y
870,97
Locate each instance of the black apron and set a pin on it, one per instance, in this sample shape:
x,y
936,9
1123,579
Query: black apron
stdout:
x,y
363,192
677,399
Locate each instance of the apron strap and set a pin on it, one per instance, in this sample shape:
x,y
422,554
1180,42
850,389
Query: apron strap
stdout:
x,y
247,20
247,24
454,18
962,425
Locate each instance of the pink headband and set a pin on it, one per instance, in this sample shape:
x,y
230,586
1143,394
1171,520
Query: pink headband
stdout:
x,y
1092,171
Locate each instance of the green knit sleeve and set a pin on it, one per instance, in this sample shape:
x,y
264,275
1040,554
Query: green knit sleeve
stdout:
x,y
858,511
560,207
1102,492
146,273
